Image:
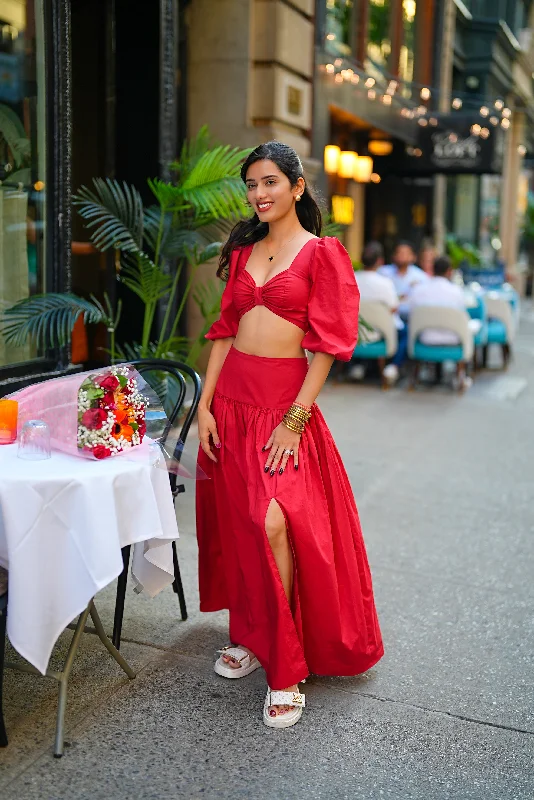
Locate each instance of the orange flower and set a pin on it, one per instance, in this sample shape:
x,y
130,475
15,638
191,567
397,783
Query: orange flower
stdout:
x,y
123,430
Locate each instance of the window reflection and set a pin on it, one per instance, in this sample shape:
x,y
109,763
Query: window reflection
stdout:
x,y
22,158
406,56
339,26
379,42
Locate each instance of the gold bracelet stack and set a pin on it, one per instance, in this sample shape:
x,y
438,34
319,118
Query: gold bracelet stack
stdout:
x,y
296,418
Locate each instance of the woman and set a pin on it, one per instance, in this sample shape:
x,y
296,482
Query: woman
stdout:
x,y
427,256
280,543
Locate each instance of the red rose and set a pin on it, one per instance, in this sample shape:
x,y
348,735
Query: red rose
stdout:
x,y
142,429
109,383
109,400
101,451
93,418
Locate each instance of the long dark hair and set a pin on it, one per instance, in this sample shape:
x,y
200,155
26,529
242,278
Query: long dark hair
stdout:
x,y
252,230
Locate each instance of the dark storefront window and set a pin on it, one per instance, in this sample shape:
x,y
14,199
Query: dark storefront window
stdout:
x,y
22,158
379,41
340,26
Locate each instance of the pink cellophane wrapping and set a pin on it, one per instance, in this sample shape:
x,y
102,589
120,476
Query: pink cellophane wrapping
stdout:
x,y
56,403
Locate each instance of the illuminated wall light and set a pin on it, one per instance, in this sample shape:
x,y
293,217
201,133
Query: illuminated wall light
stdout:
x,y
370,82
342,209
484,132
499,105
506,113
339,78
347,163
433,121
522,150
363,169
425,94
386,99
475,129
371,94
505,123
355,79
375,177
484,111
380,147
456,103
494,120
330,68
331,159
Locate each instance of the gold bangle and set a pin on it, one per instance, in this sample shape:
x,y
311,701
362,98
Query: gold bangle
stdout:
x,y
301,405
292,426
299,412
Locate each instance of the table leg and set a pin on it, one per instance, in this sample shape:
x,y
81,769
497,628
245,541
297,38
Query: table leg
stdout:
x,y
107,642
63,676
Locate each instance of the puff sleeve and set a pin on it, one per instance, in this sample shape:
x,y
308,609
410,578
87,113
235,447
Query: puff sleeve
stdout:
x,y
334,302
227,324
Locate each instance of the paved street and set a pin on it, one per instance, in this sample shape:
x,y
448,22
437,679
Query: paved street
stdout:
x,y
444,487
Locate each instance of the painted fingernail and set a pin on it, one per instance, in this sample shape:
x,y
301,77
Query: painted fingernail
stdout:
x,y
280,471
266,469
272,473
263,449
218,445
296,466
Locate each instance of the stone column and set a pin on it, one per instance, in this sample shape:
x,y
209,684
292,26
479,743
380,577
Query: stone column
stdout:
x,y
445,87
509,227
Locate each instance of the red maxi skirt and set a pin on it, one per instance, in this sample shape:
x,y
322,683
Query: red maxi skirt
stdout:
x,y
332,626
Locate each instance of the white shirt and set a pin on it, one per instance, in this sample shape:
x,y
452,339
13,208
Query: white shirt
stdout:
x,y
438,292
376,288
404,283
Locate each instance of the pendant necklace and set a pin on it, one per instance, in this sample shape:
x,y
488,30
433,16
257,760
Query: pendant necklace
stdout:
x,y
284,245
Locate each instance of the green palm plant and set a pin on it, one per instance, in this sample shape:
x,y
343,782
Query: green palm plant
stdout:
x,y
183,225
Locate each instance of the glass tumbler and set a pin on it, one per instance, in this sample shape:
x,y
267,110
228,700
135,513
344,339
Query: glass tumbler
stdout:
x,y
34,441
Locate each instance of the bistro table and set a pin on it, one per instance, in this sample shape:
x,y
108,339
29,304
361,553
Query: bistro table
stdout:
x,y
63,522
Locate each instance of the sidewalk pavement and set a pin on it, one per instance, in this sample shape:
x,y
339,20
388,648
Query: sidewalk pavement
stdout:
x,y
444,488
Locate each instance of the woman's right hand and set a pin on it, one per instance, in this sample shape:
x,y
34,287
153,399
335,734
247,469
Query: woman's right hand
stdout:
x,y
207,427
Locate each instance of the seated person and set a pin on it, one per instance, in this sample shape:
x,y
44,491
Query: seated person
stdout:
x,y
439,291
404,274
376,288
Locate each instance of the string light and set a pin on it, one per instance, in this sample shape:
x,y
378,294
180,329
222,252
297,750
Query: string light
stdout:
x,y
330,68
425,93
505,123
421,110
392,87
433,121
506,113
371,94
370,82
499,105
355,78
475,129
484,132
330,36
457,103
522,150
484,111
375,177
422,122
339,78
494,120
338,62
386,99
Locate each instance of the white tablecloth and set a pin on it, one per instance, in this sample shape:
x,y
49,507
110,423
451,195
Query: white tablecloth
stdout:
x,y
63,522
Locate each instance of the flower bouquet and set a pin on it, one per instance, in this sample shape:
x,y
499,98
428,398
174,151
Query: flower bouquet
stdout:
x,y
111,413
91,414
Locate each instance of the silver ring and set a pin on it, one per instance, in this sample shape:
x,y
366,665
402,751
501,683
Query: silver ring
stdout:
x,y
288,452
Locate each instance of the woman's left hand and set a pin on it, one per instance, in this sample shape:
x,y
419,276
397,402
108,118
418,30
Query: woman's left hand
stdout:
x,y
282,443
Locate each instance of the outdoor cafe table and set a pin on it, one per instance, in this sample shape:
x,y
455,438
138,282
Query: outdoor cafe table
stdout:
x,y
63,522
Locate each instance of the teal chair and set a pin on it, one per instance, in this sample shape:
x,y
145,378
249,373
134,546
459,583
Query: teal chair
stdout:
x,y
381,343
450,319
501,326
477,311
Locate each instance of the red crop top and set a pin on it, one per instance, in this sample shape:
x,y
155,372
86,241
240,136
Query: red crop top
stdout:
x,y
317,293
